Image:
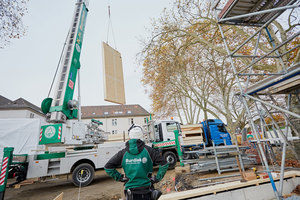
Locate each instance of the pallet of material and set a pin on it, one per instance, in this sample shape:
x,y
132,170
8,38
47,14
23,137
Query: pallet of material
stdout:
x,y
192,140
191,129
192,134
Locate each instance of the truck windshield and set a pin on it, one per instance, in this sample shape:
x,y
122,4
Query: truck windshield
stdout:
x,y
171,126
222,128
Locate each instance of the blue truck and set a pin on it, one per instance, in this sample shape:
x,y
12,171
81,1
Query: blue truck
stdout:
x,y
162,137
215,131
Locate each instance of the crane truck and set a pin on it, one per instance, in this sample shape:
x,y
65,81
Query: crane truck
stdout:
x,y
74,147
70,145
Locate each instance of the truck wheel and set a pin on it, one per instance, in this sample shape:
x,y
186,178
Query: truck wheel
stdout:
x,y
170,157
186,156
83,175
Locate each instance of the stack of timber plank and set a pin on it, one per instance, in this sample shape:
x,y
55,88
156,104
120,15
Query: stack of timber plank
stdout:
x,y
192,134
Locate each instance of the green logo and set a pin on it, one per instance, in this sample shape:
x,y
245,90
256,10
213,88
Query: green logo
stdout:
x,y
49,132
144,160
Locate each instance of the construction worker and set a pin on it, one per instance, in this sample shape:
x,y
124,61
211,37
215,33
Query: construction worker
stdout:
x,y
137,160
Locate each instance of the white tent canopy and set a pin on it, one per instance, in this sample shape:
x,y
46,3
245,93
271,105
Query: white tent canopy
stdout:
x,y
22,134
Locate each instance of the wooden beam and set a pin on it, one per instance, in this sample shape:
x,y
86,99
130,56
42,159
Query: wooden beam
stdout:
x,y
222,187
59,197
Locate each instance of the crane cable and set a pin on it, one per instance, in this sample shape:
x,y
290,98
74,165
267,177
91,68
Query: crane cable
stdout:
x,y
62,51
110,25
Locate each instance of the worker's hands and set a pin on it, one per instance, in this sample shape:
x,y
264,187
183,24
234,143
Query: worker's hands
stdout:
x,y
154,179
123,178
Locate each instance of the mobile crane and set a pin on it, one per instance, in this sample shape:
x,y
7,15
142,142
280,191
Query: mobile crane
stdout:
x,y
71,146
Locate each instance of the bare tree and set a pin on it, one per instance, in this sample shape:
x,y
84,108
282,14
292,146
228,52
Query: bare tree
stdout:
x,y
185,59
11,24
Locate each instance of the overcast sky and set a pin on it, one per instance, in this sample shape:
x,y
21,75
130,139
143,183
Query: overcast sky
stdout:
x,y
28,64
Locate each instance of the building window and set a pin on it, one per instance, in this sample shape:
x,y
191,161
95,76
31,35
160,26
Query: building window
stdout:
x,y
114,122
130,121
145,120
31,115
114,132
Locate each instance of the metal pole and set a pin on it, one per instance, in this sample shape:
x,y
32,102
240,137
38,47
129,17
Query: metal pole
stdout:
x,y
273,106
263,74
79,97
249,56
216,158
283,154
249,114
285,115
259,30
259,12
255,52
280,132
263,130
240,158
259,153
274,49
277,52
289,50
282,169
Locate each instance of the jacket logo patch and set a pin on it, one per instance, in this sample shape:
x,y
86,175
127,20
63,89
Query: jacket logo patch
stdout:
x,y
144,160
134,161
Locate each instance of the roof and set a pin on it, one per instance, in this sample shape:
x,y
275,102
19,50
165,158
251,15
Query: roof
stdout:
x,y
20,103
4,100
241,7
113,111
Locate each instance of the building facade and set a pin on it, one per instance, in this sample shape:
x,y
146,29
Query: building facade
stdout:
x,y
116,119
19,108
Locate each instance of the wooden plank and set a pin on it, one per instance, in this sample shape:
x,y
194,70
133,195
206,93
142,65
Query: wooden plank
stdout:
x,y
191,125
113,75
221,187
192,142
193,138
26,182
186,133
59,197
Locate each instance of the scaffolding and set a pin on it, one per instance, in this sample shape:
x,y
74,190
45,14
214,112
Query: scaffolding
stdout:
x,y
263,95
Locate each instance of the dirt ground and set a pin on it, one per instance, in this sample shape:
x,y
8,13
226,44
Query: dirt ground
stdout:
x,y
103,187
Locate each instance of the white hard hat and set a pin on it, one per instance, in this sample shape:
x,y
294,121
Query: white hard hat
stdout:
x,y
136,132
